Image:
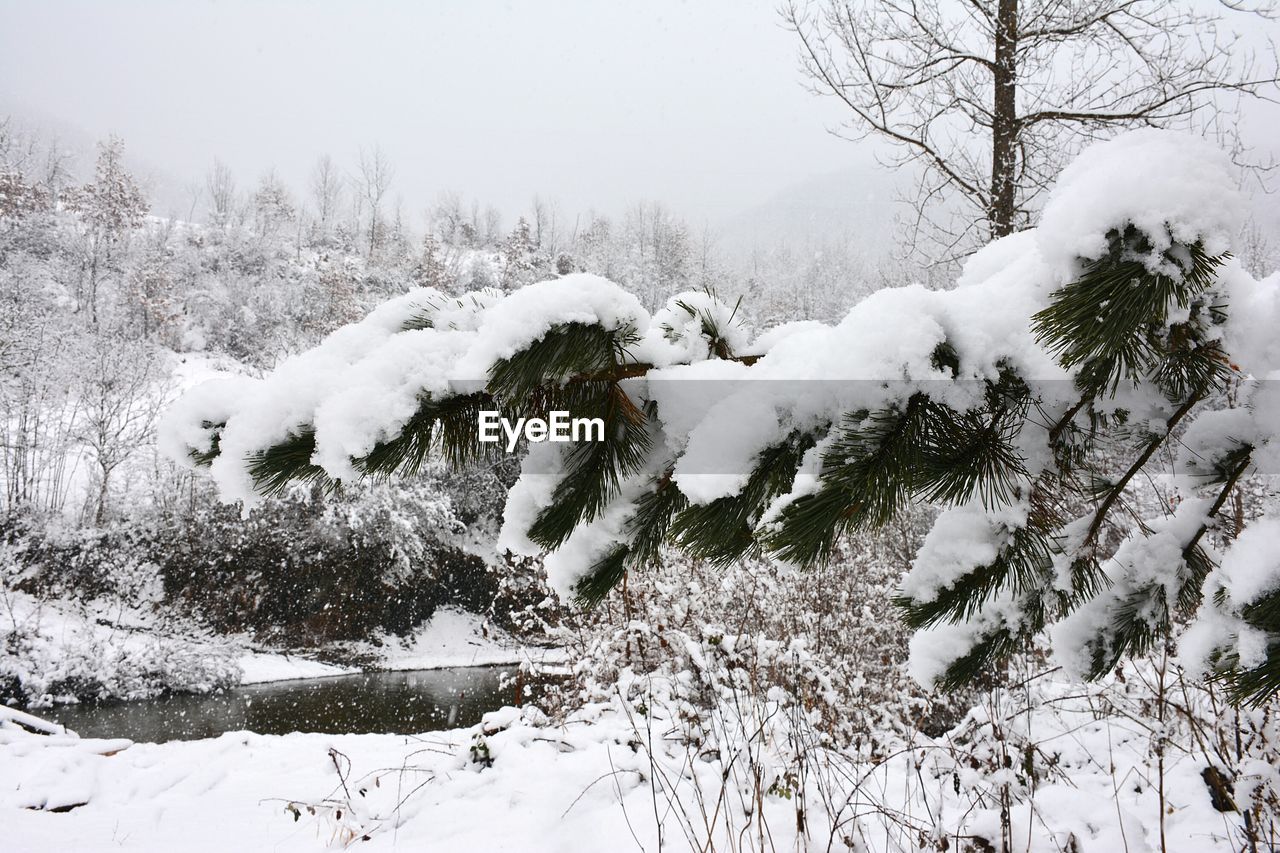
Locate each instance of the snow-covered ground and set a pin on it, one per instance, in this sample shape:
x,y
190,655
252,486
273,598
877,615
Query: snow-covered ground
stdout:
x,y
614,776
258,667
232,793
453,637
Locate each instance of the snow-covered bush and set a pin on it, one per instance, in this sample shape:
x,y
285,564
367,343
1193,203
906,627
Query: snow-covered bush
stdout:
x,y
63,652
755,628
61,560
310,567
747,681
79,620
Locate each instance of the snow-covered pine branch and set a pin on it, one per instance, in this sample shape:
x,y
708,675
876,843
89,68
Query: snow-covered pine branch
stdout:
x,y
1122,311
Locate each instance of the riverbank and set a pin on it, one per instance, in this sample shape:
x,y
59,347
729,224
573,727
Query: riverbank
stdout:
x,y
56,652
450,639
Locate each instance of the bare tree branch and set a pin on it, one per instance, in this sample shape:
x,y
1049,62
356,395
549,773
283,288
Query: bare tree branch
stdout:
x,y
992,97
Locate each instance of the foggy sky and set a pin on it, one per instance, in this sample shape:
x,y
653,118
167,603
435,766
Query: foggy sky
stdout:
x,y
588,103
698,104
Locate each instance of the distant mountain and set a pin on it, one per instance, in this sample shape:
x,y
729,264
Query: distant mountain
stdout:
x,y
857,204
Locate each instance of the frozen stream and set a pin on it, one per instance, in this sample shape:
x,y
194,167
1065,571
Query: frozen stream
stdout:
x,y
373,702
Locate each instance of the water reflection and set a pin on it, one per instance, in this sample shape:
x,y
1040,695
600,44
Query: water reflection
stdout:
x,y
381,702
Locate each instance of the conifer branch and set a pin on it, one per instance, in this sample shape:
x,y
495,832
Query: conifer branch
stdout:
x,y
1100,516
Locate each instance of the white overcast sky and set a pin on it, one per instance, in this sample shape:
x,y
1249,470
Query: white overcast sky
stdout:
x,y
698,104
591,103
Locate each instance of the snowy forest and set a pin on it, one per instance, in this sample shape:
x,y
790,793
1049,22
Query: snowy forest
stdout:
x,y
940,522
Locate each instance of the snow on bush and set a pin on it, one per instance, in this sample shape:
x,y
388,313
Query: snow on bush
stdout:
x,y
58,652
78,621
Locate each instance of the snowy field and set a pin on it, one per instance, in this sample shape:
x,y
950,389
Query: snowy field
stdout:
x,y
609,778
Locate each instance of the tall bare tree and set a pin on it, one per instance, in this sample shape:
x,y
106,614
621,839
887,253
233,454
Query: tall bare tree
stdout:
x,y
326,191
375,179
120,407
221,185
991,97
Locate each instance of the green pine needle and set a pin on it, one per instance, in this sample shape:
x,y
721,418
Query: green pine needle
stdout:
x,y
723,530
275,467
1111,322
867,476
205,459
602,577
595,470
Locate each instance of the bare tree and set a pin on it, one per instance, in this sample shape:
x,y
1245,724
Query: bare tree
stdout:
x,y
326,191
546,225
38,411
446,218
375,179
18,148
56,169
221,184
120,406
991,97
194,191
491,228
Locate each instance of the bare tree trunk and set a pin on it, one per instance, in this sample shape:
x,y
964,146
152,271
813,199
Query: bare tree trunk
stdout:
x,y
1004,122
104,494
96,244
991,98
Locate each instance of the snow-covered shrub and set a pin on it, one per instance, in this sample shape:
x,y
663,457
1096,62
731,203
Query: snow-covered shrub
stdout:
x,y
79,620
74,654
86,563
754,627
522,602
479,492
311,567
401,524
1145,759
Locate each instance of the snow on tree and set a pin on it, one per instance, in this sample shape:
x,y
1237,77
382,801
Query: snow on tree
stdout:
x,y
431,269
221,186
272,205
1110,324
111,206
19,198
520,256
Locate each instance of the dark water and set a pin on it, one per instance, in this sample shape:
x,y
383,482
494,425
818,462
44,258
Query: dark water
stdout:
x,y
374,702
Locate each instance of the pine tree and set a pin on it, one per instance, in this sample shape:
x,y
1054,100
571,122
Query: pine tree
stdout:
x,y
1004,402
520,256
431,269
